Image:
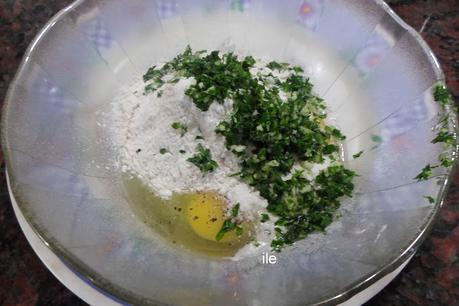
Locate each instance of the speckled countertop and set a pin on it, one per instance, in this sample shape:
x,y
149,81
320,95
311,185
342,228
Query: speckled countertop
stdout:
x,y
431,278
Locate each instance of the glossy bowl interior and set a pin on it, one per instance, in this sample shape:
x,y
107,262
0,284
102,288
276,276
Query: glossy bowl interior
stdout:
x,y
375,73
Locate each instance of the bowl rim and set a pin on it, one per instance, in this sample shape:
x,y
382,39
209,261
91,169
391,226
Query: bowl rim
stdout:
x,y
119,293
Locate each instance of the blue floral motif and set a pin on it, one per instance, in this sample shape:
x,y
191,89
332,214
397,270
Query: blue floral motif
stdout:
x,y
98,34
372,54
167,8
58,100
406,119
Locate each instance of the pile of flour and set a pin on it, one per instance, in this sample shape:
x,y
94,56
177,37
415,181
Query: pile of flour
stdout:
x,y
142,127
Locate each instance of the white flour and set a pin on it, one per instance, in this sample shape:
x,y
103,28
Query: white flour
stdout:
x,y
142,127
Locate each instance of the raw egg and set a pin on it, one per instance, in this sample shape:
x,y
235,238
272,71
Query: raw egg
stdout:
x,y
206,213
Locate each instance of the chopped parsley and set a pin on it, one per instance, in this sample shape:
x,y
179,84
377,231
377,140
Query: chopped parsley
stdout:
x,y
275,124
163,151
355,156
426,173
230,224
445,137
203,160
430,199
278,66
446,159
442,95
264,218
180,126
235,210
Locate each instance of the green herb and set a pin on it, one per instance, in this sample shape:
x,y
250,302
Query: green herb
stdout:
x,y
226,227
234,174
442,95
426,173
173,81
297,69
355,156
430,199
445,137
235,210
151,73
203,160
264,218
230,224
278,66
180,126
163,151
446,159
199,138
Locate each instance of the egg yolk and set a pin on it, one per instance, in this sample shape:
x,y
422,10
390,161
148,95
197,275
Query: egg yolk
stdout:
x,y
206,214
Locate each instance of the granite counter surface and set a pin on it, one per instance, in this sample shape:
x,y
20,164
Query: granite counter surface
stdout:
x,y
431,278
